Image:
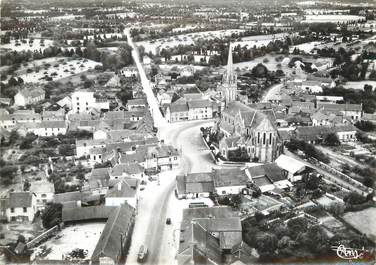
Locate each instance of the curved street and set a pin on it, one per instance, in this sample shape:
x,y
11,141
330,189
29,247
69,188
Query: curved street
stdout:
x,y
156,201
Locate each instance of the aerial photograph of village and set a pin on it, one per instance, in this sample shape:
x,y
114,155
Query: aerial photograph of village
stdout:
x,y
188,132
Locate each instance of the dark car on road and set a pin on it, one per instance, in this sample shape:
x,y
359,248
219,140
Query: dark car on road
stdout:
x,y
142,254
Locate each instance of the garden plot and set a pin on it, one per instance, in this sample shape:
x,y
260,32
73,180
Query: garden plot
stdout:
x,y
259,40
25,45
58,70
82,236
332,18
184,39
306,47
364,221
168,67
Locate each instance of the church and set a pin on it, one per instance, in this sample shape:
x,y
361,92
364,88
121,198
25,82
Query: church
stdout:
x,y
250,129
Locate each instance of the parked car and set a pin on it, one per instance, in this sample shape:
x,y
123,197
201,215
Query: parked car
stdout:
x,y
142,253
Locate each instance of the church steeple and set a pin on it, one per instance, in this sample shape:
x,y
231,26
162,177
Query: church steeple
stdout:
x,y
229,81
230,76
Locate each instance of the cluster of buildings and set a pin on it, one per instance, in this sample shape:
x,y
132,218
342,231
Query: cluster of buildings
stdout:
x,y
278,175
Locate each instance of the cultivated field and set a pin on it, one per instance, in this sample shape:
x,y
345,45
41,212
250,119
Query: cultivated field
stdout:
x,y
364,221
184,39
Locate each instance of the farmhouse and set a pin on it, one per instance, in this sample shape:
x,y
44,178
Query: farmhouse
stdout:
x,y
194,185
21,206
29,94
44,192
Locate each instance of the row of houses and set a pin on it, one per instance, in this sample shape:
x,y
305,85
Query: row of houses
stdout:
x,y
52,123
190,107
280,174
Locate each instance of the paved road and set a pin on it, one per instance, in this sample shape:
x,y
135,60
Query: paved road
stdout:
x,y
156,200
152,101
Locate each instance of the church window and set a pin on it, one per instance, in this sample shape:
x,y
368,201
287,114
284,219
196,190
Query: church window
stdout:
x,y
263,138
270,138
258,137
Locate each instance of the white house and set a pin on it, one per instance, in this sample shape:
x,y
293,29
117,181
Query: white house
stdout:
x,y
29,95
312,86
187,71
294,168
129,170
83,146
9,121
162,156
44,192
50,128
83,101
129,72
230,181
194,185
125,190
21,206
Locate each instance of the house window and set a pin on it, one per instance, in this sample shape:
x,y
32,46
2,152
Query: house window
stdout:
x,y
270,138
263,138
24,209
12,210
258,137
223,192
44,195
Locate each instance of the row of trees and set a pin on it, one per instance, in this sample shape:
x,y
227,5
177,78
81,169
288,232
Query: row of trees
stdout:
x,y
309,150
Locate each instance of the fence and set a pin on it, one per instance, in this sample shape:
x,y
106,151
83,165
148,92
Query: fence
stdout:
x,y
42,236
364,190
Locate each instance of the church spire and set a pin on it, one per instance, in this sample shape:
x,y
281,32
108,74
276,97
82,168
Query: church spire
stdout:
x,y
229,62
229,77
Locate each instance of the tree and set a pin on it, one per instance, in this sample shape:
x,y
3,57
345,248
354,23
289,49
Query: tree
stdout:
x,y
52,215
260,70
354,198
366,126
332,140
266,245
297,226
27,141
125,52
7,174
26,185
66,150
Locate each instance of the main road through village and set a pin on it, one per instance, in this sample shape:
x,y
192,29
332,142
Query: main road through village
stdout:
x,y
157,201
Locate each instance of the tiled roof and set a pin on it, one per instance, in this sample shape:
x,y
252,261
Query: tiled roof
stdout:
x,y
339,107
230,177
126,188
86,213
20,199
118,225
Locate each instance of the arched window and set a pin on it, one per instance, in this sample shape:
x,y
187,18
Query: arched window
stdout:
x,y
263,138
270,138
